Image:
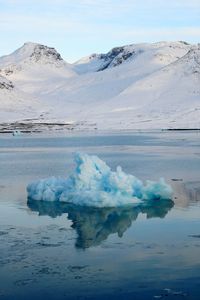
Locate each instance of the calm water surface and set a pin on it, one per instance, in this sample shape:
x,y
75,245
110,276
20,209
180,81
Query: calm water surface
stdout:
x,y
65,252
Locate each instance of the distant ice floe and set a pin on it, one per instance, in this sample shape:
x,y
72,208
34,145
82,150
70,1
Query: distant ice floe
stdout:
x,y
94,184
16,133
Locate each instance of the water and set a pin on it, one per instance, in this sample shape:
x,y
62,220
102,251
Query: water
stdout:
x,y
65,252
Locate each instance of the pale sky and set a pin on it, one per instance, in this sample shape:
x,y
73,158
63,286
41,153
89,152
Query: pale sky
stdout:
x,y
77,28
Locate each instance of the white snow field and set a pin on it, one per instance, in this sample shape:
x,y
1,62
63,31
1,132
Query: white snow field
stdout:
x,y
94,184
141,86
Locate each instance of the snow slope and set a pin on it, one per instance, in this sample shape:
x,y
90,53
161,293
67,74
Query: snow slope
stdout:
x,y
15,104
142,86
169,97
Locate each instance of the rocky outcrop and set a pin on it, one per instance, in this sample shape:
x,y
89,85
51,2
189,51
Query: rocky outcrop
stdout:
x,y
5,84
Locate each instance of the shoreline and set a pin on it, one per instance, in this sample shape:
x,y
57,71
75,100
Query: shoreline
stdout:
x,y
42,127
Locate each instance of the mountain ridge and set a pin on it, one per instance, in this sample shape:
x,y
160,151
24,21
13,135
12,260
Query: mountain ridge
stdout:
x,y
138,86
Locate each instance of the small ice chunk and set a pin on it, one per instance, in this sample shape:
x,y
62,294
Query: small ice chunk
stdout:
x,y
95,184
16,133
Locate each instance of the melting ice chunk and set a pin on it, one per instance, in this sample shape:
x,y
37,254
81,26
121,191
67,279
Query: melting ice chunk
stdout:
x,y
94,184
16,133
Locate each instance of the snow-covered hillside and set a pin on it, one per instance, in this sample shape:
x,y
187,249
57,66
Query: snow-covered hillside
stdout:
x,y
14,104
142,86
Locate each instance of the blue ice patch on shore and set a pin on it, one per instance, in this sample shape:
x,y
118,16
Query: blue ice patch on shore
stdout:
x,y
95,184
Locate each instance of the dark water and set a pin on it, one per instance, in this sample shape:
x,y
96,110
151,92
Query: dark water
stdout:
x,y
60,251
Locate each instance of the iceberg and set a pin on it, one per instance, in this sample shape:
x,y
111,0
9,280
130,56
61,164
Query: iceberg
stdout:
x,y
93,183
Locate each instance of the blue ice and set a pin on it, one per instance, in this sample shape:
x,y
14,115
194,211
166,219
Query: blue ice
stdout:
x,y
16,133
93,183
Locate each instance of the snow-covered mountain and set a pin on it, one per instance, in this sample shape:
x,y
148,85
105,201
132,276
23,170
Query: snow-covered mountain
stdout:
x,y
162,53
136,86
35,68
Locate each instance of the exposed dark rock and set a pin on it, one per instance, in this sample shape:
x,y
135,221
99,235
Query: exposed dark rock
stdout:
x,y
116,57
6,85
44,51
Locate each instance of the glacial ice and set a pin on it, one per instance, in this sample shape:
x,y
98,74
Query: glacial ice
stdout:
x,y
94,184
16,133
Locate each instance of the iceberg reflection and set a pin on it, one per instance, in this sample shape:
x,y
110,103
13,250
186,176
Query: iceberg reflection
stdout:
x,y
94,225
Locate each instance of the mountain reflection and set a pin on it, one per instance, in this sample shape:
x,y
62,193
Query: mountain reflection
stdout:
x,y
94,225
